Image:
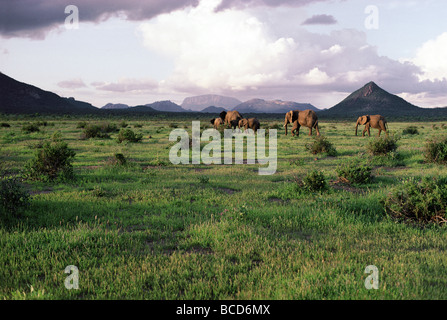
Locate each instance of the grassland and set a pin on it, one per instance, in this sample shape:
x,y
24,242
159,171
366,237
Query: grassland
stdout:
x,y
153,230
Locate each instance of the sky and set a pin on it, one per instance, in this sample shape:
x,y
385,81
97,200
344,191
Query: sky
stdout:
x,y
308,51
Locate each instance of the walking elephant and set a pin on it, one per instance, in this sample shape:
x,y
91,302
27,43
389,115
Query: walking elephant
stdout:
x,y
231,118
251,123
376,121
216,122
307,118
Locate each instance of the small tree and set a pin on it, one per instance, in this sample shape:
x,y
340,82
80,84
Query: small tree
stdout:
x,y
53,160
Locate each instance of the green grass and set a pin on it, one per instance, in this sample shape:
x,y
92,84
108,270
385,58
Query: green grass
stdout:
x,y
152,230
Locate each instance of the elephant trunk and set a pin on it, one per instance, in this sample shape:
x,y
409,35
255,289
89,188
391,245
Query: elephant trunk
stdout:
x,y
356,127
286,122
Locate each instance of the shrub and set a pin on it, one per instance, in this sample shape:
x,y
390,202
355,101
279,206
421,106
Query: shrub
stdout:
x,y
81,124
123,124
57,136
173,125
204,179
321,144
31,127
382,145
355,172
51,162
5,125
13,195
436,150
422,202
128,135
314,181
410,130
98,130
138,125
120,159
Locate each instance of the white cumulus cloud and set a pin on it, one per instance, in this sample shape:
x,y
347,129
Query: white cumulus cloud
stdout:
x,y
432,57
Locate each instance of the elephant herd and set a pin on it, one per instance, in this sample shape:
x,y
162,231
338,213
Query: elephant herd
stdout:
x,y
307,118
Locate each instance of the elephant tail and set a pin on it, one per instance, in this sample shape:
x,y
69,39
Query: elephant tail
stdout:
x,y
315,126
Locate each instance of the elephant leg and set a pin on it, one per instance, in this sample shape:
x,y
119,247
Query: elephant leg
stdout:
x,y
295,128
310,131
363,133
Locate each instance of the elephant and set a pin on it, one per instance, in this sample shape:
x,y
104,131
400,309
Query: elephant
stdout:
x,y
251,123
307,118
231,118
376,121
216,122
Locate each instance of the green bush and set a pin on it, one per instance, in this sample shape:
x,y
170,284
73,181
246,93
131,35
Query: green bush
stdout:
x,y
5,125
321,144
120,159
123,124
13,195
421,202
383,145
315,181
81,124
52,161
98,131
436,150
355,172
410,130
128,135
31,127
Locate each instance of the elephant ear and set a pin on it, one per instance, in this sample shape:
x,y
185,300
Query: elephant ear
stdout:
x,y
291,116
222,115
364,120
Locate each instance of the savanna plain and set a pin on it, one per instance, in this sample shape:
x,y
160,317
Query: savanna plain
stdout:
x,y
138,227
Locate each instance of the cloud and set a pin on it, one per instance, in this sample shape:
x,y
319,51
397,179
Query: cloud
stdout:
x,y
72,84
323,19
226,4
35,18
234,52
431,58
127,85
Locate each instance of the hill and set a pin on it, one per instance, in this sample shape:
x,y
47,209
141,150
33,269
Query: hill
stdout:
x,y
371,99
198,103
166,106
19,97
213,109
115,106
273,106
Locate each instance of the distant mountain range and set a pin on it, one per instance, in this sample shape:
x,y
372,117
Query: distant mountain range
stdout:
x,y
21,98
273,106
199,103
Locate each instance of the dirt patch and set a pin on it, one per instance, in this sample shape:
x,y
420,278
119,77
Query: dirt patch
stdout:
x,y
91,167
34,192
199,250
276,200
345,186
228,191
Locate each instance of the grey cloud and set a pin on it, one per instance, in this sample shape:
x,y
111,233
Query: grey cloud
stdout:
x,y
320,19
72,84
225,4
34,18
